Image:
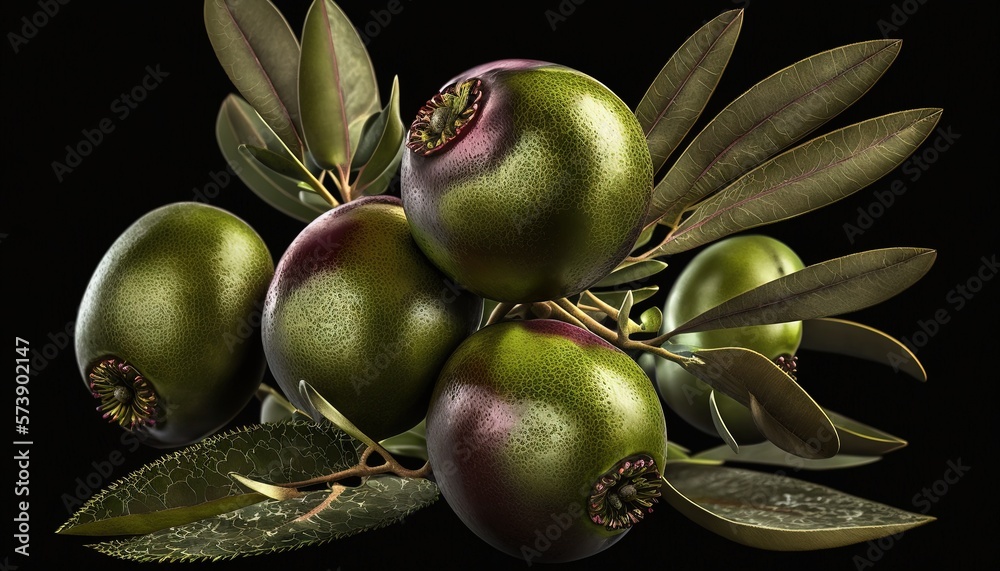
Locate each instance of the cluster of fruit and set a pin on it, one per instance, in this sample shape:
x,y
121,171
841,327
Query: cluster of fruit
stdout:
x,y
524,182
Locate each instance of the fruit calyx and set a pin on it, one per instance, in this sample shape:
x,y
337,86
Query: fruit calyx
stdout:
x,y
126,396
788,364
625,493
444,116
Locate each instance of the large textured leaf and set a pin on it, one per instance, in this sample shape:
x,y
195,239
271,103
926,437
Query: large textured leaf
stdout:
x,y
777,512
769,454
783,412
857,340
194,483
337,87
272,526
810,176
390,142
836,286
679,93
767,118
260,54
239,124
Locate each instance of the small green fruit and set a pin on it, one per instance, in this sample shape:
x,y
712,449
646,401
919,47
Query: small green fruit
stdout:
x,y
540,424
525,180
719,272
166,336
356,310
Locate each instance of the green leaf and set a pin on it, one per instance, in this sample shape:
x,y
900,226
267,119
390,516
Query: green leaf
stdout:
x,y
615,298
282,165
412,443
863,440
624,324
273,526
337,86
390,143
769,117
238,124
720,423
309,197
777,512
650,320
384,180
840,285
856,340
768,454
324,409
683,87
644,237
194,483
810,176
630,274
260,54
783,412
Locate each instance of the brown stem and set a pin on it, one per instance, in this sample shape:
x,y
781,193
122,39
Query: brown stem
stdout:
x,y
363,470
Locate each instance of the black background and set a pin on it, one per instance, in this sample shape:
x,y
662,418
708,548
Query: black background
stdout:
x,y
65,78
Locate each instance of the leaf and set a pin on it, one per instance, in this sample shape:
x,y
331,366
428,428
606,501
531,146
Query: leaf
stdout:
x,y
310,198
615,298
194,483
324,409
856,340
633,274
412,443
337,86
769,454
777,512
644,237
273,161
861,439
783,412
810,176
390,142
720,423
840,285
624,324
260,54
238,124
272,526
650,320
683,87
381,184
769,117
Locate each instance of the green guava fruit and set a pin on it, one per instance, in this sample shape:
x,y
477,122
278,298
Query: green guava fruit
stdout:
x,y
546,440
525,180
357,311
167,335
719,272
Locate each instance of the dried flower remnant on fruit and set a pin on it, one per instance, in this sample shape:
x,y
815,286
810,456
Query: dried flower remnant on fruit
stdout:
x,y
788,364
625,494
443,117
126,397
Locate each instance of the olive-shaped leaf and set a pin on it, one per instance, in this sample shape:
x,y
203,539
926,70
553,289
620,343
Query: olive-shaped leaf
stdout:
x,y
194,482
644,237
390,143
282,165
260,54
768,454
857,340
239,124
860,439
836,286
780,513
810,176
272,526
412,443
615,298
381,184
720,424
783,412
631,273
324,409
337,86
683,87
769,117
650,320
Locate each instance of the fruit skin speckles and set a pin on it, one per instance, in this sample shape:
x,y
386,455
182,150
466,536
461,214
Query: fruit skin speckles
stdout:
x,y
175,297
719,272
525,419
356,310
542,193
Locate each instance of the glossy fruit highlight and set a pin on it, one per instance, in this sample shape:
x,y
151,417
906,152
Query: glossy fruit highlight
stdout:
x,y
545,440
356,310
165,335
526,180
719,272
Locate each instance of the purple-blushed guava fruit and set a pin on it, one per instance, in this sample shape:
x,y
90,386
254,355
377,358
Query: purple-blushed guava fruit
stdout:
x,y
525,180
357,311
546,440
